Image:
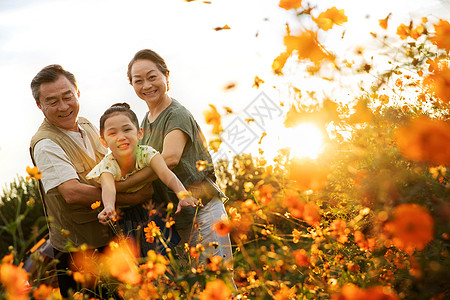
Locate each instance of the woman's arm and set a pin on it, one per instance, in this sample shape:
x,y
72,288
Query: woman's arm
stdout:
x,y
108,198
168,177
173,147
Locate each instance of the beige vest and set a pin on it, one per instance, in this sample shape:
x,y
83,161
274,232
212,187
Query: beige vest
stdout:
x,y
71,224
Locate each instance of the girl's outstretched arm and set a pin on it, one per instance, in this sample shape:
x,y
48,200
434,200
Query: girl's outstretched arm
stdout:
x,y
171,180
108,198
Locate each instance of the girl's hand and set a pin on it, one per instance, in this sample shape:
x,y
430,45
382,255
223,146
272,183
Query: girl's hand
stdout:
x,y
187,200
106,215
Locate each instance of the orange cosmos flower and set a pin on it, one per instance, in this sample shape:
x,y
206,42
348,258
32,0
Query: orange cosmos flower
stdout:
x,y
222,227
330,17
215,290
249,206
412,227
285,293
96,204
301,258
8,259
42,292
290,4
384,22
201,165
264,194
339,229
307,47
15,280
119,260
212,117
258,82
311,214
439,81
33,173
214,145
360,240
295,205
151,231
155,266
352,292
213,263
279,62
442,35
403,31
425,139
308,174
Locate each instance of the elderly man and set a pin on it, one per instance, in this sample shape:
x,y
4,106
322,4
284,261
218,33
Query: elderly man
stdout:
x,y
65,148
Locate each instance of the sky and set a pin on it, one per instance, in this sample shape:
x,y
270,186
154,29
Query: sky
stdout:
x,y
96,39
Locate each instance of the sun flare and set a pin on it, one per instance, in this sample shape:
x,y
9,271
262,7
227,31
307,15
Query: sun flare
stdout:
x,y
304,140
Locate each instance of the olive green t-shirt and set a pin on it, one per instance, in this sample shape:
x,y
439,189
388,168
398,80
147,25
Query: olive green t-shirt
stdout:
x,y
176,116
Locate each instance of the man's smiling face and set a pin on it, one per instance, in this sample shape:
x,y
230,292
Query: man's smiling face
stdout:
x,y
58,101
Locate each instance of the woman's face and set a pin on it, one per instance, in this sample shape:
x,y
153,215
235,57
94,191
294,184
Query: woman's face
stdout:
x,y
149,83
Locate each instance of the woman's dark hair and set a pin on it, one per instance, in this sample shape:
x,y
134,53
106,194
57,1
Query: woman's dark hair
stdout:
x,y
50,73
148,55
117,109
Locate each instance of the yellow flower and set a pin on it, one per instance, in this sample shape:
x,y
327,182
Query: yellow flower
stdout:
x,y
290,4
439,81
279,62
95,205
215,144
201,165
442,35
307,47
33,173
330,17
212,117
257,82
384,22
403,31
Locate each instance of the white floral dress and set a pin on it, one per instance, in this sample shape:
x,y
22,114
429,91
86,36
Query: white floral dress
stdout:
x,y
144,155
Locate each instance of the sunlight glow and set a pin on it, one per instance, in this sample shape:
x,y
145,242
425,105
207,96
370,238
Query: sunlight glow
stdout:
x,y
304,140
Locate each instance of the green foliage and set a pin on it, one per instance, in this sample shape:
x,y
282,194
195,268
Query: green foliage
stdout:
x,y
22,221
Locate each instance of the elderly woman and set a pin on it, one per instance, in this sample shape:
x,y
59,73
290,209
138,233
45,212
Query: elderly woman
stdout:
x,y
172,130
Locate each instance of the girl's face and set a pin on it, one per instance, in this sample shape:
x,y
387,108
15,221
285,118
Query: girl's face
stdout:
x,y
121,136
149,83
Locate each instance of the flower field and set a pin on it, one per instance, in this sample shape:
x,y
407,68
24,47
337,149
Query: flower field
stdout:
x,y
367,218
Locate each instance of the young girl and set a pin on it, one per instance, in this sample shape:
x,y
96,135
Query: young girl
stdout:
x,y
120,132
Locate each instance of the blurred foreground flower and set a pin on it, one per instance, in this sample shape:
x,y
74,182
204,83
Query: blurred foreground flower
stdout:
x,y
330,17
119,261
412,227
308,174
439,81
307,47
352,292
212,117
215,290
442,35
15,281
425,139
33,173
42,292
290,4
